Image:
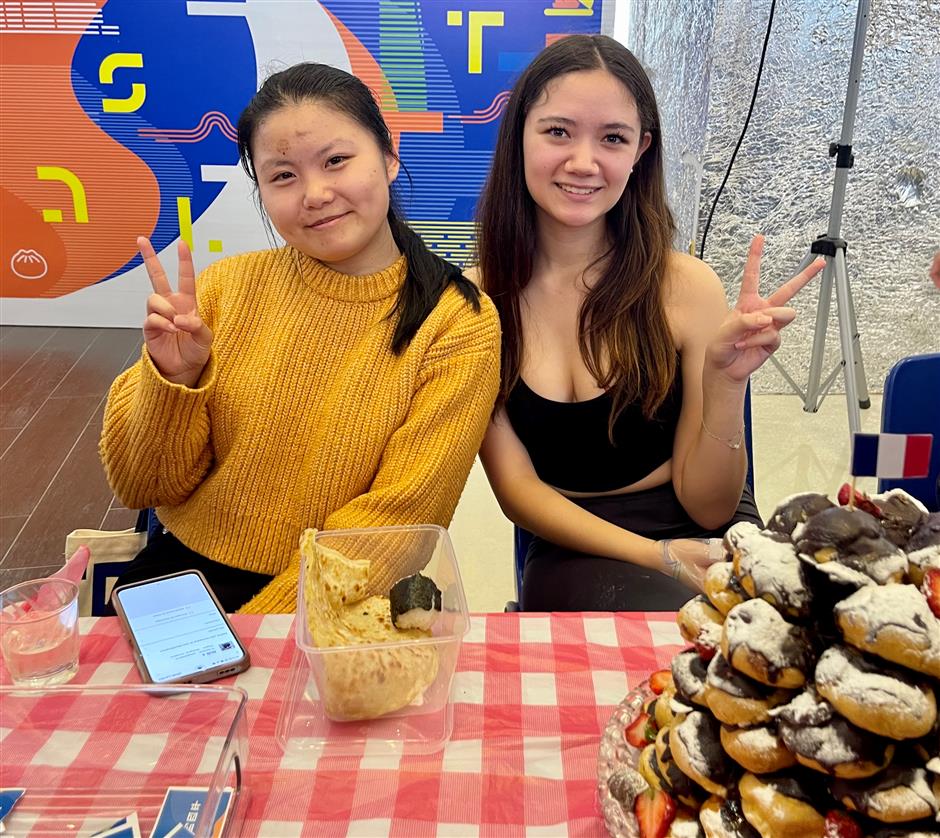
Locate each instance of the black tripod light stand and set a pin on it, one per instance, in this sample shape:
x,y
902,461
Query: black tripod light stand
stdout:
x,y
831,246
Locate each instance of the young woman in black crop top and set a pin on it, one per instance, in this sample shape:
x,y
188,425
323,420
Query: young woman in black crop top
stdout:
x,y
617,435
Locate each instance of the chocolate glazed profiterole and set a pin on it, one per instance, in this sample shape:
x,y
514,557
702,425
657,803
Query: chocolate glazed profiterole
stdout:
x,y
723,818
779,806
876,697
899,794
822,740
736,699
722,587
795,510
895,623
760,749
923,548
758,642
852,538
696,748
769,569
818,711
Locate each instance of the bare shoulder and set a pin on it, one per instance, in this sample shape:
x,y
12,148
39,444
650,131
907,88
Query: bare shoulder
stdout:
x,y
689,281
695,299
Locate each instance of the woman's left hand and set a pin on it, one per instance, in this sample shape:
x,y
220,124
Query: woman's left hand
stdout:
x,y
750,333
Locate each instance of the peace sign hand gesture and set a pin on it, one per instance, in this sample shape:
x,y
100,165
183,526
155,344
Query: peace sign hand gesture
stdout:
x,y
177,340
750,333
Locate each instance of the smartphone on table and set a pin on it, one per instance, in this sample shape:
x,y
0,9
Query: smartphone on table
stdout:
x,y
178,630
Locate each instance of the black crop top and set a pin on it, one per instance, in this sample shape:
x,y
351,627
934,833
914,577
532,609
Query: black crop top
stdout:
x,y
569,445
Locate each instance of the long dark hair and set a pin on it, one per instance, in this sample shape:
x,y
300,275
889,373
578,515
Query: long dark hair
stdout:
x,y
427,274
624,338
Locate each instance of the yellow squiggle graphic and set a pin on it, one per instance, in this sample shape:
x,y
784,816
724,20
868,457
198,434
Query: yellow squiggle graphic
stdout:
x,y
79,202
120,60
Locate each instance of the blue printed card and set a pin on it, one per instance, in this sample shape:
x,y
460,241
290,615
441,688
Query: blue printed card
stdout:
x,y
181,808
124,828
8,798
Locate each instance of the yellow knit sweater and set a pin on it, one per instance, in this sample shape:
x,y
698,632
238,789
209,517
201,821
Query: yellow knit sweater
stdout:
x,y
303,417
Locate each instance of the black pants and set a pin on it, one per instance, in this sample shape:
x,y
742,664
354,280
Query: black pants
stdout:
x,y
165,553
558,579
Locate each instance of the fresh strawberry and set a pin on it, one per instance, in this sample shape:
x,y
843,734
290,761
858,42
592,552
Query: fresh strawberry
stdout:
x,y
840,825
641,731
706,651
660,680
931,589
655,811
862,501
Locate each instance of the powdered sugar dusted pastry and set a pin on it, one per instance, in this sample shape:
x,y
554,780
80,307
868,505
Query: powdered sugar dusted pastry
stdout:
x,y
723,818
919,561
893,622
674,780
663,713
778,806
758,642
685,825
926,535
649,770
880,699
846,579
696,749
700,623
796,509
722,588
736,699
758,749
822,740
899,794
901,514
855,539
770,570
688,673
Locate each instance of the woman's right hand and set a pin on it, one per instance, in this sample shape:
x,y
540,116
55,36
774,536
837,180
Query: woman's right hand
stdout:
x,y
177,340
687,559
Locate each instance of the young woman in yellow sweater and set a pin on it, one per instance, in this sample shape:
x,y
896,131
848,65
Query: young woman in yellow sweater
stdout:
x,y
343,380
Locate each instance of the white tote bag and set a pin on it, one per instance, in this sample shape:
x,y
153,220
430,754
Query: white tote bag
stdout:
x,y
110,551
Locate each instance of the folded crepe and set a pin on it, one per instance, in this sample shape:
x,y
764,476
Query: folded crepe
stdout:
x,y
358,684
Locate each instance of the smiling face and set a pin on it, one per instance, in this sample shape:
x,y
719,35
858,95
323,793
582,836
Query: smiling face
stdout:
x,y
324,183
580,141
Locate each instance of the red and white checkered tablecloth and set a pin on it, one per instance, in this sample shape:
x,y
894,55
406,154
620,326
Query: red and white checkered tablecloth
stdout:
x,y
532,694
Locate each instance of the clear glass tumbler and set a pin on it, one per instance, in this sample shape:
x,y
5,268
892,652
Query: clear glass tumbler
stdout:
x,y
39,631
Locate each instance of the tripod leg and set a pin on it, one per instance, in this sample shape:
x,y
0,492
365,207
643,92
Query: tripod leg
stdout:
x,y
811,404
847,339
864,401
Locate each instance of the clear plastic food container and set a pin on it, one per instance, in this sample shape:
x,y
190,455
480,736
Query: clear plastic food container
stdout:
x,y
88,756
313,716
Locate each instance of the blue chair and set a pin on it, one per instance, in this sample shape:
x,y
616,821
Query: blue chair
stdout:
x,y
911,405
521,537
147,521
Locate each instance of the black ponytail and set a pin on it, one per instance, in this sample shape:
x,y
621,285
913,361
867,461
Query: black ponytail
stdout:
x,y
427,274
427,278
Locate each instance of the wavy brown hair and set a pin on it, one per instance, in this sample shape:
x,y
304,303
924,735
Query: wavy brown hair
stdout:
x,y
625,340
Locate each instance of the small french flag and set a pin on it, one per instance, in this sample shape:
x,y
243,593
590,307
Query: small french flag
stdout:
x,y
891,456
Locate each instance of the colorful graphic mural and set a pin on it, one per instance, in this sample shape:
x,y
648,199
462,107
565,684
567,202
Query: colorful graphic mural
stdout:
x,y
118,121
